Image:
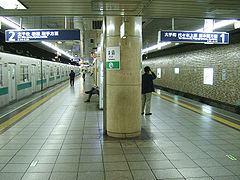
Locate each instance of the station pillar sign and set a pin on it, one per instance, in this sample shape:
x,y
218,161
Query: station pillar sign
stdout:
x,y
113,58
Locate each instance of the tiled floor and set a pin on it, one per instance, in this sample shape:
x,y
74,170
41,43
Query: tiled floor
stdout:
x,y
62,140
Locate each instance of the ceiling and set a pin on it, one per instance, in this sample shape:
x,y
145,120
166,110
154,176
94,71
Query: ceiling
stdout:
x,y
157,14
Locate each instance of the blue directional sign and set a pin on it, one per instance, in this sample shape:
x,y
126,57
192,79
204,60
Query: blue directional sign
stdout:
x,y
41,35
194,37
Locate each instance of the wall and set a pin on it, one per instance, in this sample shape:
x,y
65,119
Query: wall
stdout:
x,y
192,63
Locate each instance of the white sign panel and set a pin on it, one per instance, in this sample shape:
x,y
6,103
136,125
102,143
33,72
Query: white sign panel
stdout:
x,y
208,76
113,58
158,72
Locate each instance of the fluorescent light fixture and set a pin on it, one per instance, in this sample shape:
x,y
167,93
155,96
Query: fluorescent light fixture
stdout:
x,y
13,24
217,25
220,24
9,23
11,4
57,49
156,46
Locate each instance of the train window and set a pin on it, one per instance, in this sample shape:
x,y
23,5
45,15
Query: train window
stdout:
x,y
24,76
44,72
58,72
51,72
1,75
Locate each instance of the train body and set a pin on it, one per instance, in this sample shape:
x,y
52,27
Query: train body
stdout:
x,y
22,76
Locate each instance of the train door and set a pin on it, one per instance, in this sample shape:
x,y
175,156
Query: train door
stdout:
x,y
33,77
47,75
12,94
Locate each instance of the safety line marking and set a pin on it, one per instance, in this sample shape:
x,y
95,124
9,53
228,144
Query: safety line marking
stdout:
x,y
219,119
29,109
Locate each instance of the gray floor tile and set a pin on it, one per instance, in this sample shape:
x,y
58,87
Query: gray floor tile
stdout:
x,y
22,159
234,169
143,175
90,159
46,159
138,165
15,168
5,159
167,174
85,167
48,152
160,164
114,158
118,175
184,163
41,168
36,176
116,166
68,159
65,167
226,178
217,171
11,176
207,162
134,157
192,172
90,176
63,176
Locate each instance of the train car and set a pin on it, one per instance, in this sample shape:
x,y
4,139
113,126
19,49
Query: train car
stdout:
x,y
22,76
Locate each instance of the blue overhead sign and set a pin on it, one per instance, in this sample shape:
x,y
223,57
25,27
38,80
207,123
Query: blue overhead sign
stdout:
x,y
41,35
194,37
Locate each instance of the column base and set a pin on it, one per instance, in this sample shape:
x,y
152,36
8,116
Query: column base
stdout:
x,y
123,135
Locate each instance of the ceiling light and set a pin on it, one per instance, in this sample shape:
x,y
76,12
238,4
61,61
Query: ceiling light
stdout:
x,y
11,4
57,49
9,23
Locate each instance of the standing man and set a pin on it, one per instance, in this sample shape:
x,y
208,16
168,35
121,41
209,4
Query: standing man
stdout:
x,y
72,76
147,89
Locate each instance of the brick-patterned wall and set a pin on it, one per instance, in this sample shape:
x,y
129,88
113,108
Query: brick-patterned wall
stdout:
x,y
190,78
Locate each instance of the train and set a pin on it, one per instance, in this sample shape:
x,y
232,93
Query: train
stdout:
x,y
22,76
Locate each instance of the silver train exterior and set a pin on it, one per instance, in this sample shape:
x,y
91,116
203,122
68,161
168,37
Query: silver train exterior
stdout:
x,y
22,76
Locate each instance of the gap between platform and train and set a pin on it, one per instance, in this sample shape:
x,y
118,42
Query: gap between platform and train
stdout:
x,y
219,119
29,109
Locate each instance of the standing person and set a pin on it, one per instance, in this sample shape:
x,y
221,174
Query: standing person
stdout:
x,y
83,75
72,76
147,89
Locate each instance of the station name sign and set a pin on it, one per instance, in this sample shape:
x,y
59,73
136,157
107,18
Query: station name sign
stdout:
x,y
194,37
41,35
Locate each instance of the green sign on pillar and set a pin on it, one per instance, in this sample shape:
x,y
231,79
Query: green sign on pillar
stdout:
x,y
113,58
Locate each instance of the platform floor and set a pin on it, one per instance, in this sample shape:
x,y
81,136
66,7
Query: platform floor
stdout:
x,y
62,140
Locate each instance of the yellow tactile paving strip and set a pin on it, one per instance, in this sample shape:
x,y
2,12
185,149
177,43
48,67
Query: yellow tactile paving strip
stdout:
x,y
219,119
12,120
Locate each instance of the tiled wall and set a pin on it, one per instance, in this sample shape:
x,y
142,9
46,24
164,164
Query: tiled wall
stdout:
x,y
190,79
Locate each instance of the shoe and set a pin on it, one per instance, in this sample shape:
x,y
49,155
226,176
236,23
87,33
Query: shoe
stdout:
x,y
87,101
148,114
142,113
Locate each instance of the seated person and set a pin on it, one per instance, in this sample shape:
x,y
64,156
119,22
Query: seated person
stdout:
x,y
94,90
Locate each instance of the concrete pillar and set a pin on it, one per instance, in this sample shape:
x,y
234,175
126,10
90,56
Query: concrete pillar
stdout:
x,y
123,86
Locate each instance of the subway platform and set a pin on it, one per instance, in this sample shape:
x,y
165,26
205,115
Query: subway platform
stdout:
x,y
62,139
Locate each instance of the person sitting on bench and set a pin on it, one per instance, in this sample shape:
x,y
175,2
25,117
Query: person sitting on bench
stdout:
x,y
94,90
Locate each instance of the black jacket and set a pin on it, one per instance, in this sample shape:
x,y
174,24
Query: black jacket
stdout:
x,y
147,82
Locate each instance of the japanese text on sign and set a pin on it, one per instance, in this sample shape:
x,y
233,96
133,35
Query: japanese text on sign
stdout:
x,y
194,37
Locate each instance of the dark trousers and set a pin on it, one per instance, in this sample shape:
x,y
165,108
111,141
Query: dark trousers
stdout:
x,y
72,82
